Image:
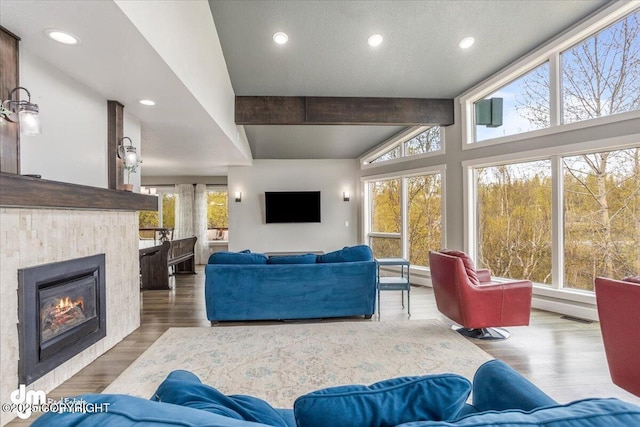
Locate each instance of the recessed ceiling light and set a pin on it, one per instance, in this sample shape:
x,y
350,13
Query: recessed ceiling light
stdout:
x,y
374,40
280,38
62,36
147,102
466,42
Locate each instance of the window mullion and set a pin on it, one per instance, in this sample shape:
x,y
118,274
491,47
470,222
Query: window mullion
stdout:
x,y
160,218
404,211
557,226
555,90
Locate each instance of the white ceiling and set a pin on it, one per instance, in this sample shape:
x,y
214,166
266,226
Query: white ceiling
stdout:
x,y
327,55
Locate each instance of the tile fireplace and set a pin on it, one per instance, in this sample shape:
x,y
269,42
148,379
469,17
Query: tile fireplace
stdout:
x,y
61,311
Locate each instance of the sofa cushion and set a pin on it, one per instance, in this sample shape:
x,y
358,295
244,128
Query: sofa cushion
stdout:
x,y
293,259
468,264
122,410
224,257
185,389
632,279
583,413
348,254
386,403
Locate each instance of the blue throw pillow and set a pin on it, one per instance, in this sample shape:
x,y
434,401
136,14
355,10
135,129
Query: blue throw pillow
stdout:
x,y
224,257
583,413
121,410
386,403
185,389
293,259
348,254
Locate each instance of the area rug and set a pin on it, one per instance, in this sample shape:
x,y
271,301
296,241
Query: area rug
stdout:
x,y
281,362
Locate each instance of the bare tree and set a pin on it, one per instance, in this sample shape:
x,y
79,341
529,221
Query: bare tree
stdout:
x,y
600,77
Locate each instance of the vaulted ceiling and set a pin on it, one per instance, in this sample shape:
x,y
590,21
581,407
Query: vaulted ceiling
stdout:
x,y
327,55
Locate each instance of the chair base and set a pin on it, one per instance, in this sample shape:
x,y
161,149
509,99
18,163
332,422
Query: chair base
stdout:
x,y
489,334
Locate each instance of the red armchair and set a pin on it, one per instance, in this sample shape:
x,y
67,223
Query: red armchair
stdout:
x,y
619,311
468,297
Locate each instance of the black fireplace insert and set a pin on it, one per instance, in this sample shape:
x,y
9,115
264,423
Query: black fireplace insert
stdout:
x,y
61,311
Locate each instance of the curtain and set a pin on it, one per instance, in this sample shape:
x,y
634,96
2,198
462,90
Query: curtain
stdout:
x,y
184,211
200,224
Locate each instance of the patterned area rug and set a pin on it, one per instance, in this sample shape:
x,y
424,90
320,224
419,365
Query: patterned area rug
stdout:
x,y
281,362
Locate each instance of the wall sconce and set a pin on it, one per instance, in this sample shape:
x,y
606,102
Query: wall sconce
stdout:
x,y
238,196
23,112
127,153
345,196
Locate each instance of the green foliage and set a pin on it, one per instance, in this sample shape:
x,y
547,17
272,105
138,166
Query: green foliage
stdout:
x,y
425,217
168,210
217,209
514,220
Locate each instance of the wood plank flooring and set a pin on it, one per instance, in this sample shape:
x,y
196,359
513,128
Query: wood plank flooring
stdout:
x,y
563,357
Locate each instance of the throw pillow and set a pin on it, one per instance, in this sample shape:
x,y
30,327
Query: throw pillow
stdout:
x,y
293,259
468,264
125,410
386,403
185,389
348,254
224,257
589,412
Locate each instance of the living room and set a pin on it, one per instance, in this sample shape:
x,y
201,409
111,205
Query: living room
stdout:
x,y
193,136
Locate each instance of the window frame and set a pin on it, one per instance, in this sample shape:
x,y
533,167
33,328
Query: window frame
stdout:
x,y
548,52
404,211
398,140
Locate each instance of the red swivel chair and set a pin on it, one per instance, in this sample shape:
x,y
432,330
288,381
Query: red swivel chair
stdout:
x,y
468,297
619,311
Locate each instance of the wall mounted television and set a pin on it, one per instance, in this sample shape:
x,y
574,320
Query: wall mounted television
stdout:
x,y
292,206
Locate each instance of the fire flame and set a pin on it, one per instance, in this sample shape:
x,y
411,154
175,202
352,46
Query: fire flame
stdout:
x,y
66,303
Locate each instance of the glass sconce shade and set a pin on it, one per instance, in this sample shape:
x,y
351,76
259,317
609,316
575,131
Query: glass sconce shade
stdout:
x,y
24,112
29,122
128,154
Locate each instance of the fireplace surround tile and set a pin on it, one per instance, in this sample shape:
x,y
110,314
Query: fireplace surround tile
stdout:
x,y
32,237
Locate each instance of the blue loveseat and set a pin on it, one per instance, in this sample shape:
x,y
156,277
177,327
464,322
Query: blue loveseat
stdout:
x,y
252,286
501,397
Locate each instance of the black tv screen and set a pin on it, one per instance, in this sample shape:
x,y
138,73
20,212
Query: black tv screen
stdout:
x,y
292,206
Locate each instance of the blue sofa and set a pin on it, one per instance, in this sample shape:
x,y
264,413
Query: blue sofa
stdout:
x,y
252,286
501,397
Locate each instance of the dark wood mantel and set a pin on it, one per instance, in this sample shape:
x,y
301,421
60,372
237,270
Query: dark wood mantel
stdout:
x,y
22,191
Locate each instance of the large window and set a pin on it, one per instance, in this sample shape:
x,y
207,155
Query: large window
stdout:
x,y
601,216
405,216
581,78
601,75
598,223
385,217
521,106
217,215
419,141
165,216
424,216
514,220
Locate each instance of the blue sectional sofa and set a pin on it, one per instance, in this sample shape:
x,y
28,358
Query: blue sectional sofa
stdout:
x,y
501,397
252,286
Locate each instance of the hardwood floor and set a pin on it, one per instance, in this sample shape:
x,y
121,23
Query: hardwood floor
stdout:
x,y
564,358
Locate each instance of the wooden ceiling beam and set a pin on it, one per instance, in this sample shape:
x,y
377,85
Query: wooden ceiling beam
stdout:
x,y
311,110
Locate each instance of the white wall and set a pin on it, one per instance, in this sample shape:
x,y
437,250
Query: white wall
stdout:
x,y
73,144
247,227
132,129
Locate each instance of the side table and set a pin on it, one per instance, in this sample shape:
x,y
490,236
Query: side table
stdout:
x,y
394,283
